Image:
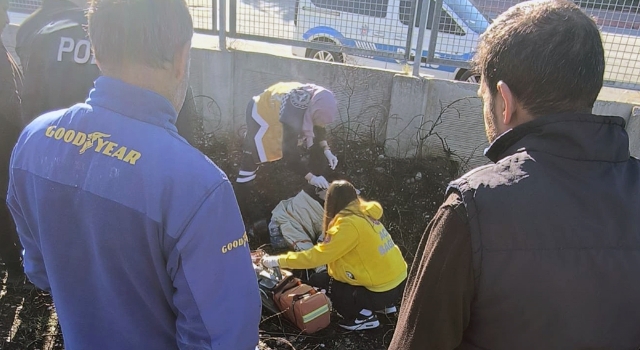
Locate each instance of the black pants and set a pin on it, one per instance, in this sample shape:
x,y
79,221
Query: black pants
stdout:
x,y
250,159
348,300
10,248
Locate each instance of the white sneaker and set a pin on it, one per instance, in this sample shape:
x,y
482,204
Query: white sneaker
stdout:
x,y
360,323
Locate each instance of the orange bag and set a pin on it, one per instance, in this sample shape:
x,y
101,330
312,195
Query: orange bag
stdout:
x,y
301,304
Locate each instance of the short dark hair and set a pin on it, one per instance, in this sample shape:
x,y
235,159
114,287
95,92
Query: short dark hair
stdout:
x,y
148,32
549,53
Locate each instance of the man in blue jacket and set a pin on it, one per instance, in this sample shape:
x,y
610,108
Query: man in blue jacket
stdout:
x,y
136,257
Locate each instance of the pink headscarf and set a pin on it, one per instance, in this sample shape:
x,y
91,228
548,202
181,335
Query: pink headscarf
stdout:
x,y
322,110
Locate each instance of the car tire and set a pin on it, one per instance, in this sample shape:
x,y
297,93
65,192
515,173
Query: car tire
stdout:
x,y
470,77
325,55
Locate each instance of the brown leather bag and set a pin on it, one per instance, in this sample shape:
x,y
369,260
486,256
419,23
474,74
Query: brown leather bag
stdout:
x,y
301,304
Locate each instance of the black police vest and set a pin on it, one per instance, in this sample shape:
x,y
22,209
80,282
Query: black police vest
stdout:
x,y
555,238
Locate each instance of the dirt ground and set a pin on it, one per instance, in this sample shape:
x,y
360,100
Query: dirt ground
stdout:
x,y
410,191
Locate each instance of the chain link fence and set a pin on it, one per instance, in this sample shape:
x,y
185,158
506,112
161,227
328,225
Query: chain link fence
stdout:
x,y
393,34
27,6
201,10
619,22
324,29
442,33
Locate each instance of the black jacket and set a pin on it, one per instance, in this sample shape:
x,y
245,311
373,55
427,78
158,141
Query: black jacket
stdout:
x,y
10,81
48,12
60,68
10,129
555,237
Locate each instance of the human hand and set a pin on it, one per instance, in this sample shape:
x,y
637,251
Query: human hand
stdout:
x,y
270,261
333,160
318,181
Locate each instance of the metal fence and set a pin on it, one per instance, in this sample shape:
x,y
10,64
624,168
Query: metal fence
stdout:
x,y
391,33
619,22
202,12
24,5
442,33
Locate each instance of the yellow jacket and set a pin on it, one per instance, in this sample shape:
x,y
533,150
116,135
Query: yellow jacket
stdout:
x,y
268,106
357,250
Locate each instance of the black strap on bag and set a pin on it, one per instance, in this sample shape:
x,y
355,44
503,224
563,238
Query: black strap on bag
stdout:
x,y
278,273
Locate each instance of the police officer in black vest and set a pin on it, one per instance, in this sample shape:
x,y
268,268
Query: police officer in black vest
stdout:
x,y
59,66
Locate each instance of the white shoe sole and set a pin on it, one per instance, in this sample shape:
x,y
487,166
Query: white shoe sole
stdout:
x,y
359,327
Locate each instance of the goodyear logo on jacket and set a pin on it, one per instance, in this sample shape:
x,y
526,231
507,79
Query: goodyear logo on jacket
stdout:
x,y
96,141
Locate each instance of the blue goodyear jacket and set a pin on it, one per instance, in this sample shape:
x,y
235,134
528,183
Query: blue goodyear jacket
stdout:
x,y
136,234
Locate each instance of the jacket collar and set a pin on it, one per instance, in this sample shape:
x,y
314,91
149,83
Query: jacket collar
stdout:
x,y
133,102
571,135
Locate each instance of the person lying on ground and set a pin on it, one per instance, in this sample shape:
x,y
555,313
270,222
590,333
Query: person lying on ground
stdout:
x,y
283,122
365,269
134,256
59,66
540,249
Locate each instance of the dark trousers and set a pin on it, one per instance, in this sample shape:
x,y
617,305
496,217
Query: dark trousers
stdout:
x,y
250,159
10,247
348,300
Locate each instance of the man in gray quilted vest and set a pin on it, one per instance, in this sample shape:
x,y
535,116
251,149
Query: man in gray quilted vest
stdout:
x,y
541,249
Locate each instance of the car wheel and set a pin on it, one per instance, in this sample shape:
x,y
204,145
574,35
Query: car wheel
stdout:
x,y
470,77
324,55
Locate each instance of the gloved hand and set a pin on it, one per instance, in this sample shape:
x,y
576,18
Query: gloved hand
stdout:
x,y
318,181
333,160
270,261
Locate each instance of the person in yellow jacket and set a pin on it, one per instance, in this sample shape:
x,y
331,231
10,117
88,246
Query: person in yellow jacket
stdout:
x,y
283,122
365,269
286,122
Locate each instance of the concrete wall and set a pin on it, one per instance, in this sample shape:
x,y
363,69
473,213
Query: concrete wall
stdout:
x,y
412,116
435,117
231,79
633,128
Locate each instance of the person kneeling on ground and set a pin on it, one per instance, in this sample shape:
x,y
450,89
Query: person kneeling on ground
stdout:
x,y
280,119
366,270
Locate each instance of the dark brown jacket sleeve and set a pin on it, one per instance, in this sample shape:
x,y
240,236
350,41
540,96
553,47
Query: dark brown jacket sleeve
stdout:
x,y
437,300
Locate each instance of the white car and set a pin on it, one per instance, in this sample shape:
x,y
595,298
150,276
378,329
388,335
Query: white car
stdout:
x,y
383,26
